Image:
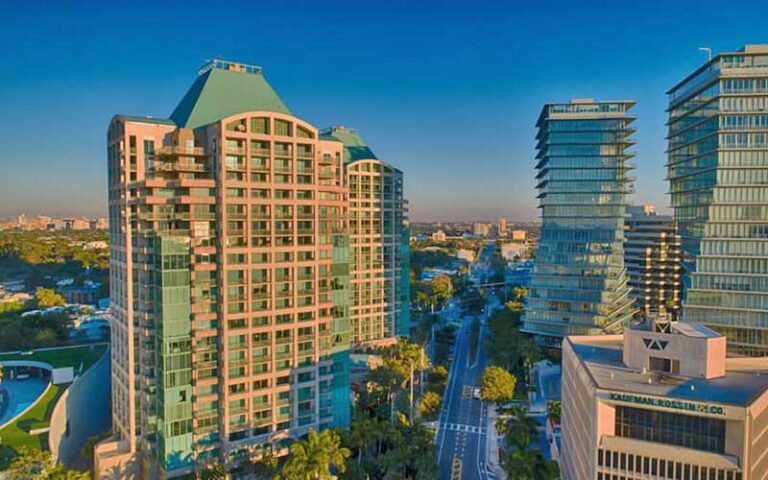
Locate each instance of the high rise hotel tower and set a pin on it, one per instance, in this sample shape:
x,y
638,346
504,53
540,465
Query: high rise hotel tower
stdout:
x,y
579,282
718,173
230,278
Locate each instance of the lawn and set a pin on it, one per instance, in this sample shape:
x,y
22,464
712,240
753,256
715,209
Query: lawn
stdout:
x,y
16,435
63,357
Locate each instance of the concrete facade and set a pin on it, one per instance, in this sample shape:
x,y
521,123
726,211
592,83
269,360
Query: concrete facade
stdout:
x,y
629,411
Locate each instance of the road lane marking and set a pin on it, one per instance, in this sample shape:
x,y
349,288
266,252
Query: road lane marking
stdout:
x,y
456,467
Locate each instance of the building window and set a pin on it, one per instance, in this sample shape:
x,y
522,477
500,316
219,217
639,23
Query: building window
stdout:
x,y
700,433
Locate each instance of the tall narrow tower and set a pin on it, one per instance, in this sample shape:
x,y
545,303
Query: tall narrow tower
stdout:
x,y
229,278
718,180
579,283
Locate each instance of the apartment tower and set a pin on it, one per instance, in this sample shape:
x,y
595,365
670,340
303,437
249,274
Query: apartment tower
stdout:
x,y
718,174
379,277
229,279
579,282
652,256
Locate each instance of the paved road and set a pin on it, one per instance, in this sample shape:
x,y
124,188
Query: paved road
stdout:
x,y
461,435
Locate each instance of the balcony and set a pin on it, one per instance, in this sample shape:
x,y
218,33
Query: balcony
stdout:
x,y
180,150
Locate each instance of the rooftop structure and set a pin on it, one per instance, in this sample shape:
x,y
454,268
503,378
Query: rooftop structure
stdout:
x,y
229,278
662,400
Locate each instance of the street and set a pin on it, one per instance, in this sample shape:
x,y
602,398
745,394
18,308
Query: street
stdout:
x,y
461,435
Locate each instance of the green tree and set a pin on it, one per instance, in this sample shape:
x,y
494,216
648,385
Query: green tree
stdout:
x,y
264,463
60,473
314,457
523,463
12,306
430,405
46,297
441,289
521,429
212,470
554,410
30,464
497,385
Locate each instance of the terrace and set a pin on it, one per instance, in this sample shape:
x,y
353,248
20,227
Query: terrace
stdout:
x,y
37,395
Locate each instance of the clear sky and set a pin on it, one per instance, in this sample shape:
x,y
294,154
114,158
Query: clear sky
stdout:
x,y
447,91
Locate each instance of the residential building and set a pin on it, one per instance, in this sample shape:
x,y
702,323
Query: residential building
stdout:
x,y
579,283
718,178
229,279
379,276
652,256
502,227
662,401
519,235
481,229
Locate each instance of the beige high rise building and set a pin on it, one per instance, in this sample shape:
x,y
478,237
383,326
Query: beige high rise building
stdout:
x,y
379,249
502,227
229,279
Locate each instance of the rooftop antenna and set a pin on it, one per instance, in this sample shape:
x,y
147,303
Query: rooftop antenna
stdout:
x,y
708,50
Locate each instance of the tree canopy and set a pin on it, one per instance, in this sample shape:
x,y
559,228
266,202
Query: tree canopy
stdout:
x,y
497,385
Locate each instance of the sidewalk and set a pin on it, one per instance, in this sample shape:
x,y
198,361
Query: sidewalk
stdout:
x,y
492,445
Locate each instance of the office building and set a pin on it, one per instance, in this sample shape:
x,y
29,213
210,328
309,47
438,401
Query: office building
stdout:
x,y
379,276
652,256
229,279
662,402
718,175
519,235
579,283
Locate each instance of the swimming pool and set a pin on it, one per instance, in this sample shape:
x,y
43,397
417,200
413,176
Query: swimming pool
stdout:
x,y
20,395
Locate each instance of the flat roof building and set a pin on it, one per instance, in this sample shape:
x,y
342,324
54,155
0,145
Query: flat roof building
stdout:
x,y
579,283
662,401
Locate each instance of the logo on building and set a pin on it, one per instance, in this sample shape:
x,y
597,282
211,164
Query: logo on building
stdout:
x,y
655,344
665,403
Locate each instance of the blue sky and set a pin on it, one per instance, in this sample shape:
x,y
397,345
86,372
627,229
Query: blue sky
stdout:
x,y
447,91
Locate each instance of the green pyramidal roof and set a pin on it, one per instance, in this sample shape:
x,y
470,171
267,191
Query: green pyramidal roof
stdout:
x,y
225,88
355,147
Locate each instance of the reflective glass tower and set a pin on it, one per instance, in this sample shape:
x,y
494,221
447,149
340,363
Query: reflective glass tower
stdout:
x,y
718,173
579,283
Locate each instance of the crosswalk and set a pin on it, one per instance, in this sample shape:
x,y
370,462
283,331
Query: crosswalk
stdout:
x,y
461,427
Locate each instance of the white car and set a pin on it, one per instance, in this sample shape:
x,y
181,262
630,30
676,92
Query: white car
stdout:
x,y
476,393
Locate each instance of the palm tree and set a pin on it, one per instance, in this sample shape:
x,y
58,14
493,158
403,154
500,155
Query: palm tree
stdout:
x,y
521,429
525,463
263,462
314,457
362,431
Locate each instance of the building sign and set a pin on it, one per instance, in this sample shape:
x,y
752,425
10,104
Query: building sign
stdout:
x,y
673,404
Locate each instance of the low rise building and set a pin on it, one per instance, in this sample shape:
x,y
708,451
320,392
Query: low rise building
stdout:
x,y
662,401
519,235
438,236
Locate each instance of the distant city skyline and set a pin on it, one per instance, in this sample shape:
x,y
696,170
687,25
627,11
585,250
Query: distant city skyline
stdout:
x,y
448,93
